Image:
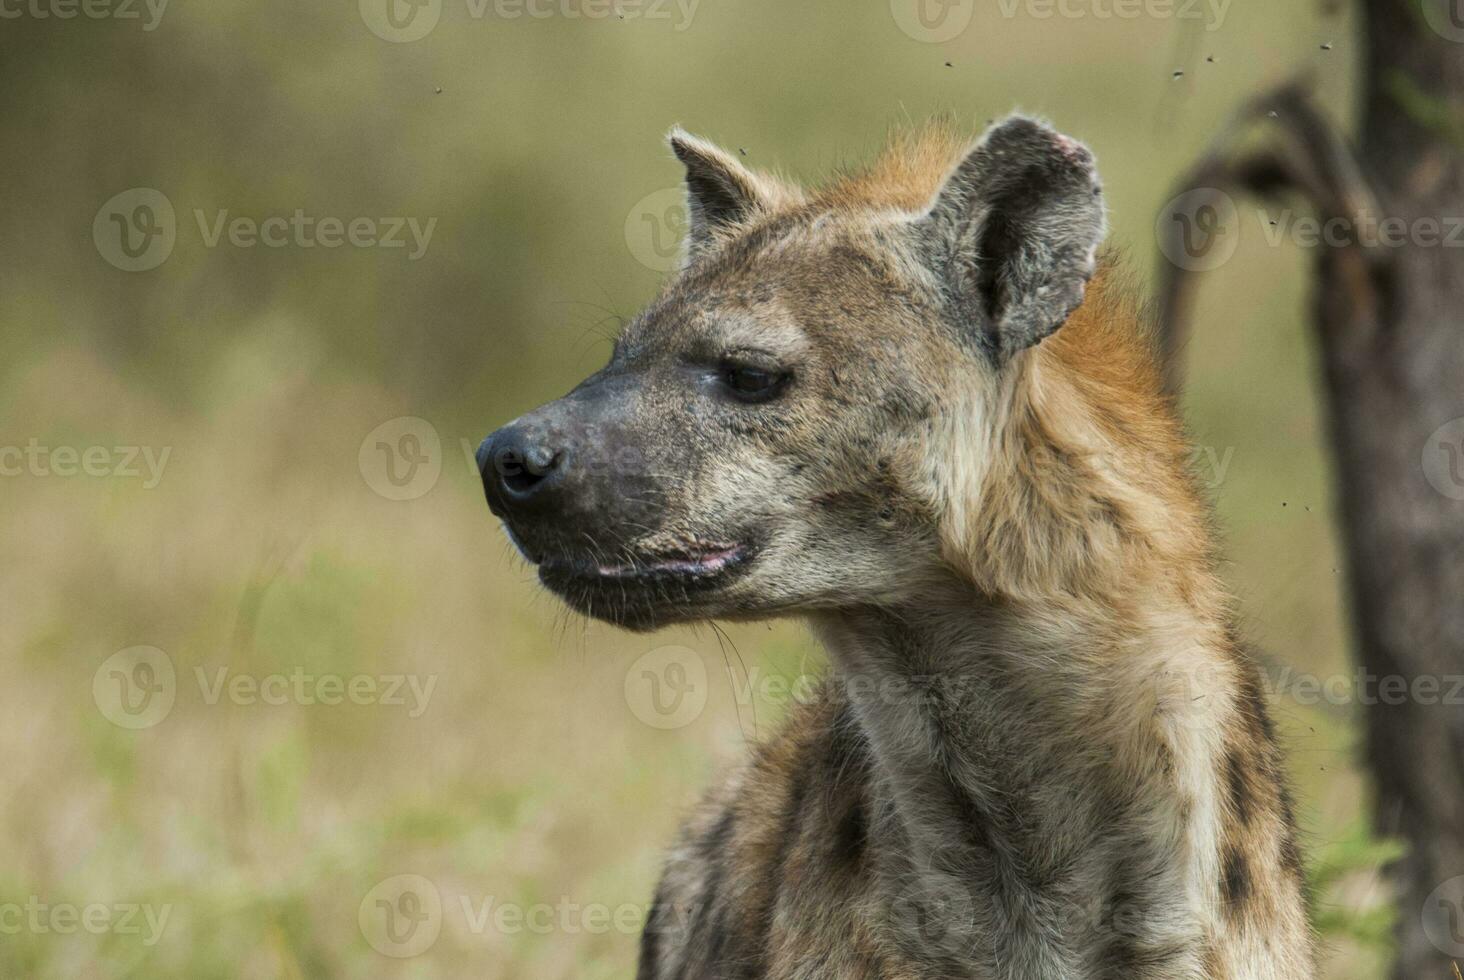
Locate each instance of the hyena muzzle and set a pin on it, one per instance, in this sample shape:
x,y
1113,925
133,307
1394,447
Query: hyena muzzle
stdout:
x,y
918,410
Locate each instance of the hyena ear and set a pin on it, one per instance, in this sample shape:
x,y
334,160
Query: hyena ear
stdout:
x,y
720,192
1014,231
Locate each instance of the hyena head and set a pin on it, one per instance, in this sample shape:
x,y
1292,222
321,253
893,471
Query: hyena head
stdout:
x,y
773,433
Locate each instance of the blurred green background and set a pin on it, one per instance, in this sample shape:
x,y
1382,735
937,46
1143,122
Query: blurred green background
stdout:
x,y
261,830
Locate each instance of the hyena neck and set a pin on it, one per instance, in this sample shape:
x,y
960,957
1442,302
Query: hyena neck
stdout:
x,y
1038,736
1073,779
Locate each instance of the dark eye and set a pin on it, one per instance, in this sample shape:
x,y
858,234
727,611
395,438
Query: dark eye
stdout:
x,y
753,384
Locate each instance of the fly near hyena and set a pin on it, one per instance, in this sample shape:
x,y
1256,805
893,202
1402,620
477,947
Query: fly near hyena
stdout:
x,y
919,408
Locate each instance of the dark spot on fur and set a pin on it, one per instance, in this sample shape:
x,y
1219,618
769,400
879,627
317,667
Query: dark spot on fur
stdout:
x,y
1131,950
1127,959
1252,703
1287,810
1241,802
1166,759
852,833
848,772
777,871
1235,883
716,852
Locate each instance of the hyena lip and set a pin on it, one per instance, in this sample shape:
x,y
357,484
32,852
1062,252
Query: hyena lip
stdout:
x,y
701,565
700,561
649,591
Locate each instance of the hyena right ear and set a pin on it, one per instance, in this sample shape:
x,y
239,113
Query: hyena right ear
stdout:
x,y
720,192
1014,231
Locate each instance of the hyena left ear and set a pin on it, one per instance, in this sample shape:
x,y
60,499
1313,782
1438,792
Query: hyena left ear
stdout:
x,y
1014,231
720,192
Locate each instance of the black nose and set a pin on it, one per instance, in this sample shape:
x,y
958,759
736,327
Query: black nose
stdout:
x,y
519,469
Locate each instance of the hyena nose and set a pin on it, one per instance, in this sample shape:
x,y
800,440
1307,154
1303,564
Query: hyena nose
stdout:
x,y
520,470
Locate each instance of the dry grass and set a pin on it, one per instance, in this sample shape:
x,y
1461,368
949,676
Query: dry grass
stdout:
x,y
527,779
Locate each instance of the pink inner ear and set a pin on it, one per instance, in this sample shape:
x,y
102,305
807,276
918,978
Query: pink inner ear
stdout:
x,y
1070,147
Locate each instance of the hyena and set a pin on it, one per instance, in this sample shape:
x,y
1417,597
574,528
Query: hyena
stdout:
x,y
919,409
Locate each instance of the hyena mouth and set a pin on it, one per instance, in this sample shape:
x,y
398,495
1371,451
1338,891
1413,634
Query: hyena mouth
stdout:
x,y
648,590
709,564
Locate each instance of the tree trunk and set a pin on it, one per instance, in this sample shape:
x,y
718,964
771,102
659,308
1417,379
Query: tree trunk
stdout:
x,y
1389,316
1392,339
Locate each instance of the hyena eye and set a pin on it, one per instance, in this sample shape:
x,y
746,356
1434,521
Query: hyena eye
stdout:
x,y
753,383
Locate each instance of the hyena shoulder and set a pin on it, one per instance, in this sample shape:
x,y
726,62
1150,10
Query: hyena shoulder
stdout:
x,y
749,879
